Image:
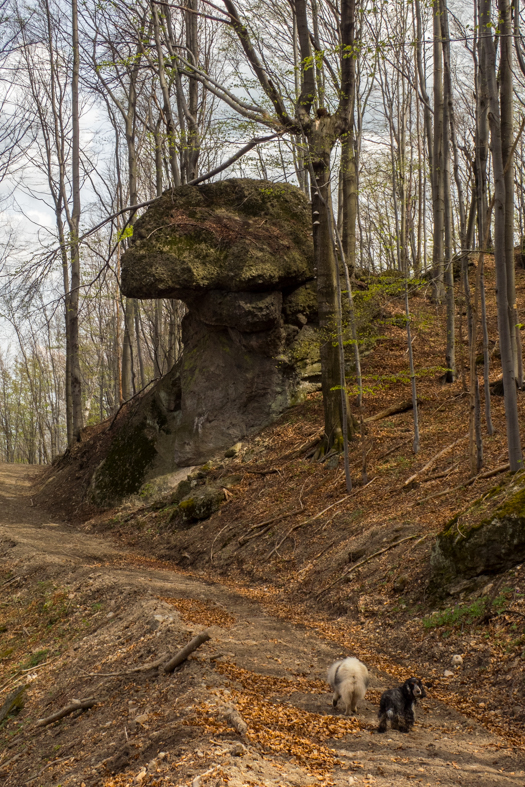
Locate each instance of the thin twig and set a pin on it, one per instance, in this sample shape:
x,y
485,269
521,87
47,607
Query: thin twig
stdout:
x,y
215,539
313,518
391,451
362,563
479,477
143,668
444,474
266,524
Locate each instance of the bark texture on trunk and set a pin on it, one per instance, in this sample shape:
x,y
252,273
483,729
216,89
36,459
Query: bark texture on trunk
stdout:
x,y
73,301
500,241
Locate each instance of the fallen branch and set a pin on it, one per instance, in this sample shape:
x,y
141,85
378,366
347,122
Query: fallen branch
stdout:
x,y
480,476
362,563
49,765
13,679
71,708
263,472
266,524
12,759
313,518
444,474
490,473
394,409
144,668
433,461
10,582
391,451
183,654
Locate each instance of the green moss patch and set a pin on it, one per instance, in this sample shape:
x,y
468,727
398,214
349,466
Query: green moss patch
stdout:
x,y
488,538
122,471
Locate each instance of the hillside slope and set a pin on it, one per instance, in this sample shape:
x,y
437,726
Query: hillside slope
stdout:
x,y
288,529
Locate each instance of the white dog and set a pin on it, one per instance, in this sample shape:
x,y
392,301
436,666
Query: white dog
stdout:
x,y
348,679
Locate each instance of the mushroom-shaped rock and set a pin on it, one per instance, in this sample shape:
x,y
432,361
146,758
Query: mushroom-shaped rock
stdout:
x,y
235,252
236,235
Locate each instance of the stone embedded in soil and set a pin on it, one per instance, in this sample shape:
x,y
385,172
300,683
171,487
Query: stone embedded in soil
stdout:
x,y
483,545
201,503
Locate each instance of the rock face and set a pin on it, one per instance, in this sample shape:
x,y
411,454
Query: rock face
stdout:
x,y
482,546
239,254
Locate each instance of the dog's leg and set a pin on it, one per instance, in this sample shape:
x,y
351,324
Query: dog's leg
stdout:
x,y
409,719
382,723
335,699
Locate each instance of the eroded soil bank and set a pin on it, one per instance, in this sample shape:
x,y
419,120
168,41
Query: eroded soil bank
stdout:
x,y
79,613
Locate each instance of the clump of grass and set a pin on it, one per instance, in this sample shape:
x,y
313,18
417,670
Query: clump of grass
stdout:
x,y
455,615
36,658
467,614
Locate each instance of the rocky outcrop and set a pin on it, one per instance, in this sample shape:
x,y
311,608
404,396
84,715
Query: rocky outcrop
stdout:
x,y
239,254
487,539
231,236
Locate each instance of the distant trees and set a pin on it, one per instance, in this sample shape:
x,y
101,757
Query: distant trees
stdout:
x,y
105,105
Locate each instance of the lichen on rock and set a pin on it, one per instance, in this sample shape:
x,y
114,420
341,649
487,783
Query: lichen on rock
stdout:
x,y
201,502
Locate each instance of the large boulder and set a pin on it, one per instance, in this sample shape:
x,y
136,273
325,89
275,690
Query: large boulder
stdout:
x,y
239,254
486,539
235,235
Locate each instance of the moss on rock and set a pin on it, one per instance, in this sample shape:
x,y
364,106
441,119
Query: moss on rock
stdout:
x,y
201,502
233,235
122,471
488,538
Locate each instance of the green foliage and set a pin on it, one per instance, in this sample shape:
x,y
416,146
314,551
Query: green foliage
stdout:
x,y
35,658
468,615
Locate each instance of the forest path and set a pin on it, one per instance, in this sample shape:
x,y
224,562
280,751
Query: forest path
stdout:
x,y
272,669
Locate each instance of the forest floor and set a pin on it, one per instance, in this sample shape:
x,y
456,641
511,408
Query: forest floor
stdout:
x,y
289,574
79,613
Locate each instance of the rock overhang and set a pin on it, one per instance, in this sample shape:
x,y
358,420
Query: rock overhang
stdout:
x,y
237,235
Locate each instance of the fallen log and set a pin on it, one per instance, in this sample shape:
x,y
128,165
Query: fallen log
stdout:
x,y
433,461
183,654
394,409
71,708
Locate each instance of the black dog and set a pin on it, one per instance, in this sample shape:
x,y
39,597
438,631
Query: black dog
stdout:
x,y
398,705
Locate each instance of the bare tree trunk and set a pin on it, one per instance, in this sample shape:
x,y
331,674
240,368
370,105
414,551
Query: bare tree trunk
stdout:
x,y
348,170
74,364
500,234
506,109
450,356
173,153
327,284
127,350
438,168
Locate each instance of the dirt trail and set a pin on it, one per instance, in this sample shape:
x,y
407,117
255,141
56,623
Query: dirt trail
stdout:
x,y
154,729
